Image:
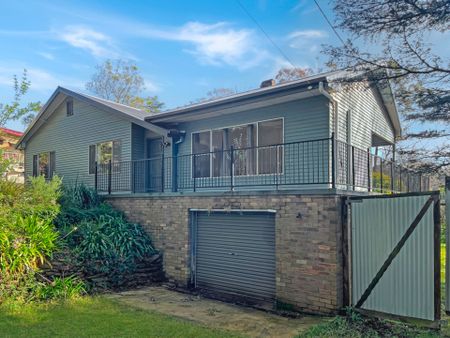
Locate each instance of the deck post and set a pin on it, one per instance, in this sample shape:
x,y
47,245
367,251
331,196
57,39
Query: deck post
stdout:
x,y
96,176
368,170
194,171
231,168
333,161
381,174
162,171
392,176
353,168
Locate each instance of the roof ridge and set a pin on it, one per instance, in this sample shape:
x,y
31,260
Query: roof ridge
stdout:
x,y
100,98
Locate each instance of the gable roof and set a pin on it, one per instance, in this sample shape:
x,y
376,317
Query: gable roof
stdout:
x,y
304,87
134,115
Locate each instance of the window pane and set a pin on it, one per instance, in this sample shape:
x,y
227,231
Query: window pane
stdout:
x,y
201,146
243,141
44,165
220,157
104,152
270,154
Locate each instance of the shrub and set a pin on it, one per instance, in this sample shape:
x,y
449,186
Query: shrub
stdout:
x,y
25,244
110,245
102,241
27,234
60,288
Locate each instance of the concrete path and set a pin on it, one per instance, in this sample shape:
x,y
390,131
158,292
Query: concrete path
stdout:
x,y
212,313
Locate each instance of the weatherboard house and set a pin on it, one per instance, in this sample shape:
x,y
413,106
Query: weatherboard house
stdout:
x,y
242,194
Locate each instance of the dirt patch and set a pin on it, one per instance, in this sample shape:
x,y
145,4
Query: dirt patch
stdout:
x,y
216,314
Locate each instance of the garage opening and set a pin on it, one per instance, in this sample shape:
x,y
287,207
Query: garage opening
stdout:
x,y
233,254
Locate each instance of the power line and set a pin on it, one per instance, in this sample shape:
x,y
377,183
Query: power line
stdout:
x,y
265,33
329,22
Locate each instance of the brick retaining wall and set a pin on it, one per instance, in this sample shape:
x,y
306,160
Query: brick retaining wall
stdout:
x,y
308,240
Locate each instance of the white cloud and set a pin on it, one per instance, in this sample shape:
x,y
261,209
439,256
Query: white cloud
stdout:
x,y
98,44
306,40
41,80
215,44
151,86
46,55
308,34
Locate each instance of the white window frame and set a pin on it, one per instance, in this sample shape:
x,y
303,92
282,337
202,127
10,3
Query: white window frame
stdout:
x,y
256,123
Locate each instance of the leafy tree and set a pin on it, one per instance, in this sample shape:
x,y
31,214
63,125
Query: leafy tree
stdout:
x,y
120,81
15,110
290,74
392,39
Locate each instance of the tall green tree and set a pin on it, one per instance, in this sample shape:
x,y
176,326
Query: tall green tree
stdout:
x,y
401,40
15,110
121,81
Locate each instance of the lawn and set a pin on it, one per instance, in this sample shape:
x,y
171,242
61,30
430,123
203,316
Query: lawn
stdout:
x,y
94,317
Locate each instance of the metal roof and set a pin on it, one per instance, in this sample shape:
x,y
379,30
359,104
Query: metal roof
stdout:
x,y
136,116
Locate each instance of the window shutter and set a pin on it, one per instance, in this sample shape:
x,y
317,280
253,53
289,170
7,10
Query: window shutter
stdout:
x,y
92,158
52,164
117,151
35,165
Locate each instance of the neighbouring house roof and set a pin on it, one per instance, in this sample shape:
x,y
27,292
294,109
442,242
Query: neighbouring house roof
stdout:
x,y
60,94
11,132
260,97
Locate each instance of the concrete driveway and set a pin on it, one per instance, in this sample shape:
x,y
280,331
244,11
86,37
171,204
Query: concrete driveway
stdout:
x,y
216,314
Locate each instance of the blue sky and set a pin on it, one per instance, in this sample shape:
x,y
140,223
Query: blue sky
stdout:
x,y
183,48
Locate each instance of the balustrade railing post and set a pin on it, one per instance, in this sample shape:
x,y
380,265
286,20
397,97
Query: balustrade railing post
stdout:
x,y
392,176
276,171
420,183
96,176
194,170
109,176
231,168
333,161
162,171
353,168
381,174
133,176
368,170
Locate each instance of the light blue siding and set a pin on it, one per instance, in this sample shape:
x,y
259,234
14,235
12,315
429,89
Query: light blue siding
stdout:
x,y
70,137
305,119
368,115
307,163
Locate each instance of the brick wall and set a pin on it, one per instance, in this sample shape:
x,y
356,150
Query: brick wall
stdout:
x,y
308,240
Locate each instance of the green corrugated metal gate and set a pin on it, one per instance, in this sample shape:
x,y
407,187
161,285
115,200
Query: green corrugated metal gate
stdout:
x,y
394,256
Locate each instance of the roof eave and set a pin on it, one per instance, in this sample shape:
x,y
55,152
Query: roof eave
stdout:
x,y
217,104
60,90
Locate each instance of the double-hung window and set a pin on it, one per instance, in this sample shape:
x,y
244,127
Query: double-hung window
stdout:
x,y
257,149
103,152
44,164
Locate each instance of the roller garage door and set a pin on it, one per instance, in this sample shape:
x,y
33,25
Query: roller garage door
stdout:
x,y
234,254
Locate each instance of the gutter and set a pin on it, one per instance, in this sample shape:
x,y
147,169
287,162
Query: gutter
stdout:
x,y
334,103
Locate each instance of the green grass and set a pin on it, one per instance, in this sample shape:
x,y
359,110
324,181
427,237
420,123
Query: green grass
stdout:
x,y
94,317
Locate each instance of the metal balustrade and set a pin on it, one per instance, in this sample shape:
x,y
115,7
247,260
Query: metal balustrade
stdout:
x,y
317,164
